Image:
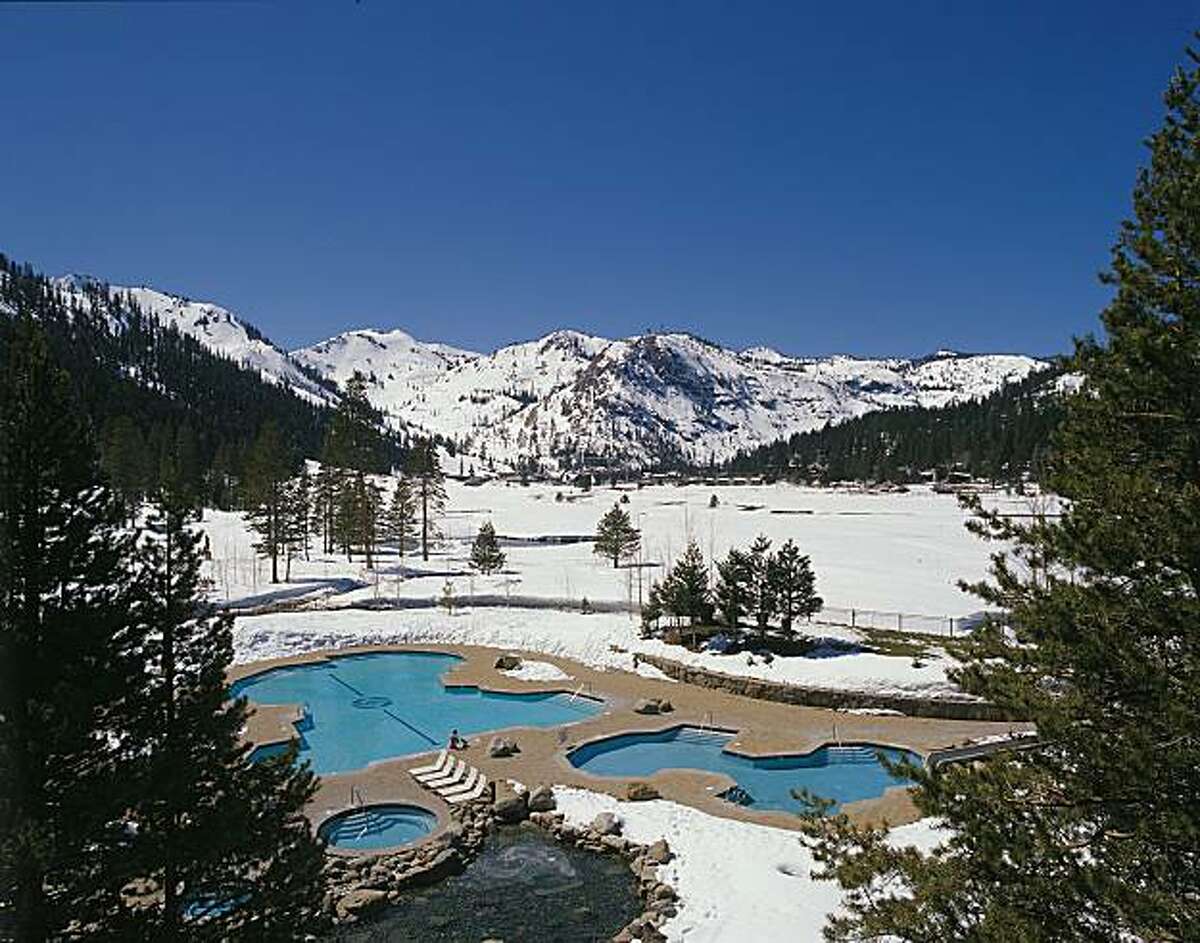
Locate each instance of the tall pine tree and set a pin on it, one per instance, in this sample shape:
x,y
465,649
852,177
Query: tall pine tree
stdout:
x,y
268,469
67,657
213,831
1095,834
429,488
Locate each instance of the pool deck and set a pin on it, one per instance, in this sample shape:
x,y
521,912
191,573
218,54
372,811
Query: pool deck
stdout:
x,y
763,728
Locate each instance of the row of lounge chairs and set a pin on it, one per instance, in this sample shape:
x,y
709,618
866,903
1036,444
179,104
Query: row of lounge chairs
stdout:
x,y
452,779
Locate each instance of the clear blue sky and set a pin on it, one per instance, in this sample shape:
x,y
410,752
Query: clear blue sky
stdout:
x,y
877,179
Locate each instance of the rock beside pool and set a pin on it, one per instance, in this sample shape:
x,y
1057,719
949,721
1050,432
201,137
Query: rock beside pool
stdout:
x,y
507,663
640,792
606,824
541,799
653,705
359,901
510,806
659,852
502,746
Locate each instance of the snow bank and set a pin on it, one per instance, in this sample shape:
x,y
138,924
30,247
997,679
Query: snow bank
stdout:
x,y
599,640
736,880
537,671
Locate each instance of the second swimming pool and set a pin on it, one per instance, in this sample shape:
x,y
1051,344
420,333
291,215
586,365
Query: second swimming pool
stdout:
x,y
363,708
843,774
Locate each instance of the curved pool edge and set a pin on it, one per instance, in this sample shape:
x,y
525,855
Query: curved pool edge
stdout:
x,y
440,815
730,748
894,796
464,654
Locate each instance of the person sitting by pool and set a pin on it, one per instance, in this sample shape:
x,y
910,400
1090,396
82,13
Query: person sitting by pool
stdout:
x,y
457,742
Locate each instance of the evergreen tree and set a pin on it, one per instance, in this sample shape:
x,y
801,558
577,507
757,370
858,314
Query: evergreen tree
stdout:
x,y
267,472
732,593
211,828
652,611
793,585
486,555
66,655
684,590
616,537
763,604
297,516
1094,834
123,459
429,486
401,520
324,503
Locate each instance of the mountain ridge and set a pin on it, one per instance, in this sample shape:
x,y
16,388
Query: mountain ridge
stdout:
x,y
571,399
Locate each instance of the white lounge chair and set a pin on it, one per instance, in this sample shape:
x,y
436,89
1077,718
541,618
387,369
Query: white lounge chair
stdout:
x,y
472,795
453,775
445,770
437,767
465,786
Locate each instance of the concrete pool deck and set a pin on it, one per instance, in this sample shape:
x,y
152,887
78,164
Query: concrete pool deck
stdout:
x,y
763,728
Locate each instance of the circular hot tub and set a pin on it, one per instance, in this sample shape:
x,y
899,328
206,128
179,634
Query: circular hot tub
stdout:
x,y
375,827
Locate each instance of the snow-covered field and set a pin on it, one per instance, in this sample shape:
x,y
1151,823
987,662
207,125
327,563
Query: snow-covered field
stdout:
x,y
735,880
899,551
896,552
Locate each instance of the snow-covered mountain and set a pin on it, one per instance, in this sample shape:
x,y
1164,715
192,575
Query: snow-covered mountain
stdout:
x,y
569,397
397,366
217,328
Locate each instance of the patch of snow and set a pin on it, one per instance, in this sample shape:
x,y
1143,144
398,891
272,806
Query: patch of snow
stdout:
x,y
536,671
735,880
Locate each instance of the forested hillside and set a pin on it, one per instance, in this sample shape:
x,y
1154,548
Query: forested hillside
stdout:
x,y
1001,437
160,403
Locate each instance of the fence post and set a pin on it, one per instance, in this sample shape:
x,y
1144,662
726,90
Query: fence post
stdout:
x,y
899,622
853,617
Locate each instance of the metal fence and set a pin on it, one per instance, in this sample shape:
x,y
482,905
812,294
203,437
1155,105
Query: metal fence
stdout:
x,y
920,623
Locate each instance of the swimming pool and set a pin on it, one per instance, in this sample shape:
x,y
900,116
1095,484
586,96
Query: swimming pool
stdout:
x,y
371,827
363,708
843,774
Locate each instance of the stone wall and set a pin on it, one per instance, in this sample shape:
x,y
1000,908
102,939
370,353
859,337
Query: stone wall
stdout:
x,y
946,709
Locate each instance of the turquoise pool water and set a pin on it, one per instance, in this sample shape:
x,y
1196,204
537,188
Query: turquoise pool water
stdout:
x,y
843,774
377,826
363,708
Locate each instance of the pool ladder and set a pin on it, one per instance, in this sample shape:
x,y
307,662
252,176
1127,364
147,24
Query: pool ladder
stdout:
x,y
356,800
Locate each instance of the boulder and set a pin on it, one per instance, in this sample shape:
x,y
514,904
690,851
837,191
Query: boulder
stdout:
x,y
640,792
645,705
665,706
614,843
663,892
360,901
659,852
606,824
507,663
510,807
541,799
502,746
